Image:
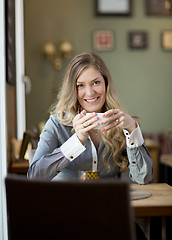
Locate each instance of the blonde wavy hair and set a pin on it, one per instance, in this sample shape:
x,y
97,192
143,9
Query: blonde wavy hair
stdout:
x,y
68,105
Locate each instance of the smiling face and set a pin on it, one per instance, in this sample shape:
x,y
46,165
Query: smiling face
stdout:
x,y
91,90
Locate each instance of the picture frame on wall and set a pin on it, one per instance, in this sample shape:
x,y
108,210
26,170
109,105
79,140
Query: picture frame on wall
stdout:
x,y
166,40
113,7
137,39
103,40
159,7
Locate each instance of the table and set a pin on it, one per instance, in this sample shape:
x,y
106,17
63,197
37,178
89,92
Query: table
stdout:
x,y
157,206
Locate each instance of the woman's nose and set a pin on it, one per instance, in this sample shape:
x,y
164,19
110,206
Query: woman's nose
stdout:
x,y
89,91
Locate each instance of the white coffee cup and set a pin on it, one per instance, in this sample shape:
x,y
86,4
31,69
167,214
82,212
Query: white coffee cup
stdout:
x,y
100,119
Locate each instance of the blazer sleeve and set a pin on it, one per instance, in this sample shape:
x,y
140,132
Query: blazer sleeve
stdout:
x,y
51,156
140,161
140,164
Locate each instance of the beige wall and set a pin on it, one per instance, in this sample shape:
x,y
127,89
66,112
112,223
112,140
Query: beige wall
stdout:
x,y
143,77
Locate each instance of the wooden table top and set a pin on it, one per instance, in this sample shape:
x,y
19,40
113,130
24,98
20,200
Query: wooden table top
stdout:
x,y
19,167
159,204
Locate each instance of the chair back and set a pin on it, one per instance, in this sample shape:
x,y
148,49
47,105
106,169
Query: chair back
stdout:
x,y
63,210
31,154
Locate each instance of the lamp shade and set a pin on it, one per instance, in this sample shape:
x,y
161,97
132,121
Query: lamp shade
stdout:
x,y
66,48
49,49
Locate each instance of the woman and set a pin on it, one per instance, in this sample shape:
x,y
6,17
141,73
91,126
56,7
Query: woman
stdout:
x,y
70,141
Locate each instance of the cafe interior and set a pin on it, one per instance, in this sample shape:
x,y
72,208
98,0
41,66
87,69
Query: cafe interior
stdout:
x,y
134,38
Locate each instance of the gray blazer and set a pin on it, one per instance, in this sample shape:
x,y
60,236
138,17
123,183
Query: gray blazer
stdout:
x,y
50,162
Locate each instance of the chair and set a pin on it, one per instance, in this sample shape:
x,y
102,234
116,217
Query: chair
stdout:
x,y
21,165
31,154
40,209
28,136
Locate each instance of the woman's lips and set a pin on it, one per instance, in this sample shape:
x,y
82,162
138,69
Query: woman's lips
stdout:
x,y
91,100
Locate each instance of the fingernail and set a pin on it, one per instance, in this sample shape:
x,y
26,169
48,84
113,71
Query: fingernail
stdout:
x,y
102,123
103,129
104,115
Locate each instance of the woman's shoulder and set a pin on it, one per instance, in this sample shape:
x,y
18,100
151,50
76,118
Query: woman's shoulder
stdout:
x,y
51,122
53,117
55,120
53,125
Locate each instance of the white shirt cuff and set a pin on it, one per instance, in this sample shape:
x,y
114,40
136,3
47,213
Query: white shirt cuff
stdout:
x,y
134,139
72,148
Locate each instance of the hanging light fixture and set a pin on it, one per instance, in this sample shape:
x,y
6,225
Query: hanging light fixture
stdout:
x,y
56,54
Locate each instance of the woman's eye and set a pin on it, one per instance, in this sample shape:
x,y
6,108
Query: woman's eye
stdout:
x,y
80,85
96,82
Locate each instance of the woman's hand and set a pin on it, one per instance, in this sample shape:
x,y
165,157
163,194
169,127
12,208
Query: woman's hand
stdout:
x,y
117,118
83,123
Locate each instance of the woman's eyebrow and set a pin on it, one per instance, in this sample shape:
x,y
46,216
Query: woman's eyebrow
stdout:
x,y
79,82
90,81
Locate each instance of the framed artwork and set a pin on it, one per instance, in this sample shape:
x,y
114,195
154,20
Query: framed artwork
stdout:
x,y
113,7
138,39
10,41
159,7
103,40
166,40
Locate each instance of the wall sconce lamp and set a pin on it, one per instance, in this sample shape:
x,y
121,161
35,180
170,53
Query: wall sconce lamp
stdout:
x,y
56,54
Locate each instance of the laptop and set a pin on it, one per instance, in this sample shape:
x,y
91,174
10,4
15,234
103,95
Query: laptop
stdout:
x,y
39,209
